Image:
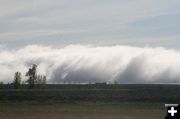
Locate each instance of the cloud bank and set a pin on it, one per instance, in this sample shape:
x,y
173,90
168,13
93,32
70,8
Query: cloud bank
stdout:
x,y
84,64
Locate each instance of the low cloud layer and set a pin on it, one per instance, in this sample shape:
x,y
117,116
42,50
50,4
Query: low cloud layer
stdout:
x,y
84,64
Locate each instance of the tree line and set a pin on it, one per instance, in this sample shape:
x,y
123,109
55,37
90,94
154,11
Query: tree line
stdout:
x,y
32,80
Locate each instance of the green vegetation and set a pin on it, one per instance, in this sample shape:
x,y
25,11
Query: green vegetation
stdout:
x,y
33,79
17,80
92,93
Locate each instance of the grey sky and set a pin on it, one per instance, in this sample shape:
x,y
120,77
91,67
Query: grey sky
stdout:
x,y
61,22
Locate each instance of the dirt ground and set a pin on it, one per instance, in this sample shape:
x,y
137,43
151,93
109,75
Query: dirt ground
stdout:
x,y
81,111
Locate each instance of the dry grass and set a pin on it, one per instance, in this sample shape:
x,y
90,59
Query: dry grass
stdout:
x,y
81,111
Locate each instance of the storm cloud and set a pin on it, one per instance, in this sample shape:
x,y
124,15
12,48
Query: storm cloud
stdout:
x,y
85,63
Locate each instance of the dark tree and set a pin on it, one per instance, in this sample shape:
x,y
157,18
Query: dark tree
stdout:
x,y
41,79
1,84
44,80
32,76
17,80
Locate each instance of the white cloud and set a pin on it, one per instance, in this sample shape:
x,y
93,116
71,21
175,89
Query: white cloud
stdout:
x,y
78,63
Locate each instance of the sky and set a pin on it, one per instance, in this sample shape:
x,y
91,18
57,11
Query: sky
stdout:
x,y
108,22
128,41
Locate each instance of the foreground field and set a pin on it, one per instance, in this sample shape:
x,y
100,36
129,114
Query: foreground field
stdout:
x,y
87,101
82,111
93,93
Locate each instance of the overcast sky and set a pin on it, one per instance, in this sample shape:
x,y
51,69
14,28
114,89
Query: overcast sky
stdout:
x,y
130,41
99,22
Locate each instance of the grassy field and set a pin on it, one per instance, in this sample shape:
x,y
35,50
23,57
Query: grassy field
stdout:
x,y
87,101
106,93
83,110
